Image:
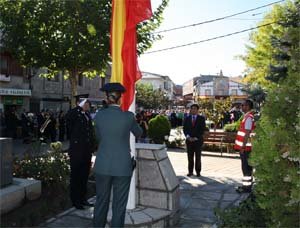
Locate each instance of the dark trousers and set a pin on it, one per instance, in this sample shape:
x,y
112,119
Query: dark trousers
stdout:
x,y
120,185
61,134
246,169
194,151
79,176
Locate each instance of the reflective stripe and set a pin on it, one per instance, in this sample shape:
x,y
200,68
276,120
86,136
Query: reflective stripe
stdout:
x,y
247,183
247,178
239,143
240,133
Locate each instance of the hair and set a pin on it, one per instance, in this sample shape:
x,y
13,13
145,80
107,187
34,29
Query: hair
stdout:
x,y
195,105
249,103
113,97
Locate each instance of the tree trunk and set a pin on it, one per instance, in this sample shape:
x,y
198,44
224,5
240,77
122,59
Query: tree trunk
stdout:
x,y
73,81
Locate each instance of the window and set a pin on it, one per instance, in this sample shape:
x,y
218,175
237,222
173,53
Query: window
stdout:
x,y
207,92
80,80
234,92
220,92
4,65
9,66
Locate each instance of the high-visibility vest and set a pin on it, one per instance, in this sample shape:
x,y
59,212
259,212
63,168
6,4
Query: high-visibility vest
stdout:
x,y
239,140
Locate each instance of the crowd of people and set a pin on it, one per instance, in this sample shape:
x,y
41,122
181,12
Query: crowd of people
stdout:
x,y
50,125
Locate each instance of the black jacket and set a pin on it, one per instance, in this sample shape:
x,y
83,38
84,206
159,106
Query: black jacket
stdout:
x,y
194,131
81,132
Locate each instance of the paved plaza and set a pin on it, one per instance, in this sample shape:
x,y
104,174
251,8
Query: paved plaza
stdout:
x,y
199,196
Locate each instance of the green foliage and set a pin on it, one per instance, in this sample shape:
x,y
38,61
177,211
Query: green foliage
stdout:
x,y
248,214
62,35
214,109
233,127
256,93
159,128
149,98
276,153
145,35
52,168
263,52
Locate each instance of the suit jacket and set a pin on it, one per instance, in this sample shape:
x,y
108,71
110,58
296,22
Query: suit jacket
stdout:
x,y
113,127
194,131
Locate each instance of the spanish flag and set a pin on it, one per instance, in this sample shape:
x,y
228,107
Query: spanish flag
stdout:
x,y
126,14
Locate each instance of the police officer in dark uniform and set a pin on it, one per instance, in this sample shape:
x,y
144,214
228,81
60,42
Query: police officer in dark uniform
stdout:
x,y
81,148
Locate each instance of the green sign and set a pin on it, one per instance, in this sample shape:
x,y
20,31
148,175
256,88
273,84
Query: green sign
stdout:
x,y
13,100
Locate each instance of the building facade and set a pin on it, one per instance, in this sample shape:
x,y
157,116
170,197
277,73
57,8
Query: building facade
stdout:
x,y
160,82
219,87
23,89
188,89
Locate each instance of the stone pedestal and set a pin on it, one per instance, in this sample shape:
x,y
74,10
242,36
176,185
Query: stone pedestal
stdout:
x,y
157,184
6,162
13,195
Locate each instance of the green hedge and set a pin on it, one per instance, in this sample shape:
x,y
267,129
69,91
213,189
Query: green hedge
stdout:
x,y
159,127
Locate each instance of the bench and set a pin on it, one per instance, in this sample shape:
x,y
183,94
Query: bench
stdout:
x,y
220,139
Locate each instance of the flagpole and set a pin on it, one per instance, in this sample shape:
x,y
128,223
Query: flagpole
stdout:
x,y
131,198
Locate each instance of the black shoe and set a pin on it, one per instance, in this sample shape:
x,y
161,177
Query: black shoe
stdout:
x,y
78,206
243,189
198,175
189,174
86,203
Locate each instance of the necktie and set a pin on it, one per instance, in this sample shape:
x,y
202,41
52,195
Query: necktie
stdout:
x,y
193,120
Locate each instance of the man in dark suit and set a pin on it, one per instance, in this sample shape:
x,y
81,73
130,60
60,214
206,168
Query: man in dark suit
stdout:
x,y
81,148
113,167
193,128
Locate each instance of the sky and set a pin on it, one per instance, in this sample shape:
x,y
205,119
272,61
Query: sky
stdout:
x,y
184,63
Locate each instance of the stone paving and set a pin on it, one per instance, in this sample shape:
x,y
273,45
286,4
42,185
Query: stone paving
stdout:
x,y
199,196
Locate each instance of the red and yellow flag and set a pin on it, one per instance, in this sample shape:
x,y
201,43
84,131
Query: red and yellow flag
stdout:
x,y
126,14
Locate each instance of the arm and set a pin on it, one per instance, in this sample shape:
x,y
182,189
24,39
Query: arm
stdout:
x,y
97,127
135,127
248,127
201,128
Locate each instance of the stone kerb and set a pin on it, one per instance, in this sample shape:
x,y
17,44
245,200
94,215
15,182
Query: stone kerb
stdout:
x,y
157,184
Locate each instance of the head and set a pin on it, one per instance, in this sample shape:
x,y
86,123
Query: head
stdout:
x,y
113,92
194,109
247,105
113,97
85,105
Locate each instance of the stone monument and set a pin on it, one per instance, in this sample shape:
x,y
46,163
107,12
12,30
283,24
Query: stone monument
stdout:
x,y
6,162
13,191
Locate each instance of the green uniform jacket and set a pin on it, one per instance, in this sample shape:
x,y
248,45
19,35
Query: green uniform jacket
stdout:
x,y
113,127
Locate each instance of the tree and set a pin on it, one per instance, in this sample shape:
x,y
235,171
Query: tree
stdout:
x,y
276,154
260,52
149,98
256,93
214,110
69,36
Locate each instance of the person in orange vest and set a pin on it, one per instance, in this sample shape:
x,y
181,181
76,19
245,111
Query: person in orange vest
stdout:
x,y
244,146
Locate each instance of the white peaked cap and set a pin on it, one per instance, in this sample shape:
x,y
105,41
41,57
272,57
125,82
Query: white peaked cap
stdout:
x,y
82,103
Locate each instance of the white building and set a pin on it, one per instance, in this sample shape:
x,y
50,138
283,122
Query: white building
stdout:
x,y
160,82
220,87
